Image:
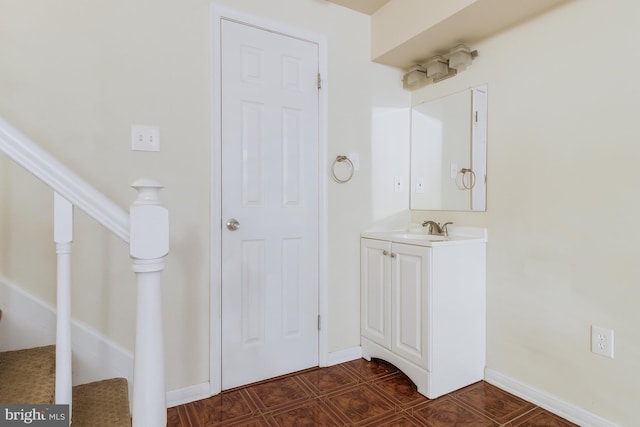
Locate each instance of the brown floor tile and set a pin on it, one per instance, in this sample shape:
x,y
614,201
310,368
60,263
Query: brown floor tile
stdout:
x,y
401,419
358,393
361,404
256,421
493,402
400,389
275,394
312,413
222,409
368,371
540,418
328,380
173,418
447,412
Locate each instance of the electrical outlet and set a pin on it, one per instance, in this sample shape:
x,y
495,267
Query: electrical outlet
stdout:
x,y
145,138
602,341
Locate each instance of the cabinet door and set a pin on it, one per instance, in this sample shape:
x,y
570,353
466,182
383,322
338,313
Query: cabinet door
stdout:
x,y
375,265
410,288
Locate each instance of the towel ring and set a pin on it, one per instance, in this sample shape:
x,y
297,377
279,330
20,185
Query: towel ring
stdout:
x,y
472,179
341,159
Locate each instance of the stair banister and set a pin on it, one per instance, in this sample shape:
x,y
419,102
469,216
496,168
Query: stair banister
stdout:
x,y
63,236
63,180
149,245
145,228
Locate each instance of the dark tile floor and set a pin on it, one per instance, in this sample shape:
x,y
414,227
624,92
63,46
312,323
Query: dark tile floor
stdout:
x,y
358,393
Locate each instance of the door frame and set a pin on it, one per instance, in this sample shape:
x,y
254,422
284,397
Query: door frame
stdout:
x,y
218,13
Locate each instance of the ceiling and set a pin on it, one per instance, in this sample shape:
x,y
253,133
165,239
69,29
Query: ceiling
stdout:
x,y
365,6
474,21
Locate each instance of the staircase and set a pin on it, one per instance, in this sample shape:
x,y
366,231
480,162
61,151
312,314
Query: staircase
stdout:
x,y
28,377
43,375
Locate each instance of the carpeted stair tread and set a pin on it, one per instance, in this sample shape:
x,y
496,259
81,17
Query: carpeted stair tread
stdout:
x,y
28,376
101,404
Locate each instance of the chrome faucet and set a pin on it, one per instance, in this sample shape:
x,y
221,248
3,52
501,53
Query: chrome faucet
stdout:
x,y
445,229
432,227
437,229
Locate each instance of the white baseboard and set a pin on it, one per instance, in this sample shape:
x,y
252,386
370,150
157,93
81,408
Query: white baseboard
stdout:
x,y
27,322
188,394
547,401
342,356
203,390
96,357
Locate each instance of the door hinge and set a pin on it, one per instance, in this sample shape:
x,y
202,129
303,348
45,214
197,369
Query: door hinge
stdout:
x,y
319,323
319,82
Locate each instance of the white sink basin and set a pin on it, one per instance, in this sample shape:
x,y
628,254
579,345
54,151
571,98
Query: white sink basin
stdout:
x,y
457,236
420,236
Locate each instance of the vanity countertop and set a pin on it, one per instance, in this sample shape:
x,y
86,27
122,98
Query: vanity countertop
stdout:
x,y
457,235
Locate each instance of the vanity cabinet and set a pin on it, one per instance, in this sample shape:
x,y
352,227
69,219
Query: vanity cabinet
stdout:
x,y
423,310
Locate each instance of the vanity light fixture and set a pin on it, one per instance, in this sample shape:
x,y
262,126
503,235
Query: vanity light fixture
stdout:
x,y
460,57
439,67
416,74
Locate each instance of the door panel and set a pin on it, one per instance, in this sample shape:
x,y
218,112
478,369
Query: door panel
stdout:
x,y
376,291
270,185
410,302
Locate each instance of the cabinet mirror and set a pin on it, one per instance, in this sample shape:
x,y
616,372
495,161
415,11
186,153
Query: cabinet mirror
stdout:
x,y
449,152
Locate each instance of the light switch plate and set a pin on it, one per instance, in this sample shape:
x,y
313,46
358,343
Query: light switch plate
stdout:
x,y
398,183
145,138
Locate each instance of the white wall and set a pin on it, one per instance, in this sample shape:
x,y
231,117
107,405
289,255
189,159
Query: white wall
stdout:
x,y
424,14
75,76
562,200
563,206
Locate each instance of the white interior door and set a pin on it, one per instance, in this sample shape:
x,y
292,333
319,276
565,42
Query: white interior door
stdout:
x,y
269,204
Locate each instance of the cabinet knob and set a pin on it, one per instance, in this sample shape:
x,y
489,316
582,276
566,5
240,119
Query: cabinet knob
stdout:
x,y
385,253
393,254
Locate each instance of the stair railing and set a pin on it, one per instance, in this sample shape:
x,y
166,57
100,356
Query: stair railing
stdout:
x,y
63,237
145,229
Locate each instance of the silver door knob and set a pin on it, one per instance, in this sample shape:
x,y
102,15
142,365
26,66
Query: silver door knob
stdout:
x,y
233,224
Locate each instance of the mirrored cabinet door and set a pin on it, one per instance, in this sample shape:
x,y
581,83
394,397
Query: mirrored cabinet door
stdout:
x,y
449,152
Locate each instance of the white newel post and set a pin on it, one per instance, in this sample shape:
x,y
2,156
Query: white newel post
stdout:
x,y
63,236
149,244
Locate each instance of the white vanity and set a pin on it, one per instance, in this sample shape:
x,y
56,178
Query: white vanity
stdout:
x,y
423,305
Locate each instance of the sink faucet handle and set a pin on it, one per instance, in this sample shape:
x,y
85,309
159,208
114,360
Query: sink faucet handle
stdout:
x,y
445,229
432,227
